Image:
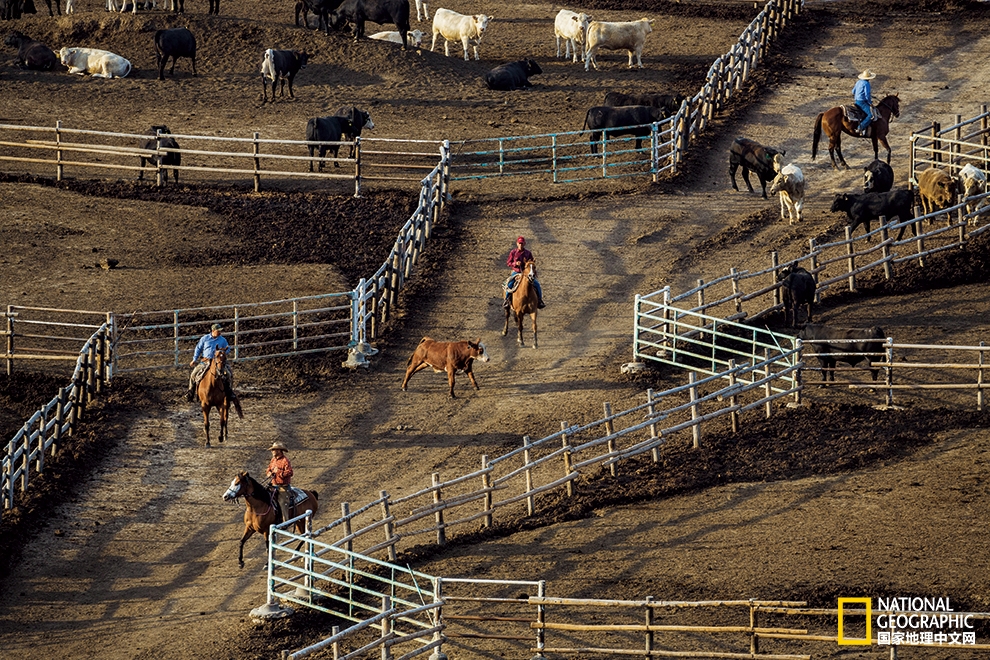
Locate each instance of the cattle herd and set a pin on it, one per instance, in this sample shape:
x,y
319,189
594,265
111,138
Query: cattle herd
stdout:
x,y
936,190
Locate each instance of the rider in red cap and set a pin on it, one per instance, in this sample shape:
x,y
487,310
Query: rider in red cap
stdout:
x,y
518,257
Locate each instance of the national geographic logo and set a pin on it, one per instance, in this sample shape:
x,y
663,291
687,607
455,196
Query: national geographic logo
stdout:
x,y
908,620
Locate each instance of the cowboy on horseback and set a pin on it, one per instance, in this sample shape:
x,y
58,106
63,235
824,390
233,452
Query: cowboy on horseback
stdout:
x,y
518,257
280,474
863,96
207,347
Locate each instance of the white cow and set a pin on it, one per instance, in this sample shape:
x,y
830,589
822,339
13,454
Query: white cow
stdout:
x,y
572,28
629,36
789,183
70,7
421,4
458,27
972,181
99,63
415,37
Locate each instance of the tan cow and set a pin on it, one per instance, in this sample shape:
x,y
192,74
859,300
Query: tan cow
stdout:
x,y
446,356
789,184
458,27
937,190
629,36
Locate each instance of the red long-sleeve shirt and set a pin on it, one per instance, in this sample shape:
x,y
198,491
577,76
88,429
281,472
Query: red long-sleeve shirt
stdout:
x,y
518,258
280,470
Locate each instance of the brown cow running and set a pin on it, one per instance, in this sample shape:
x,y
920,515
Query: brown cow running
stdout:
x,y
449,356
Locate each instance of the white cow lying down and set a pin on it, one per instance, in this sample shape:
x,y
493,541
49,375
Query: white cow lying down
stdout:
x,y
415,37
99,63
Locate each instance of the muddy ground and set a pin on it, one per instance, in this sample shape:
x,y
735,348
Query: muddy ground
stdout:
x,y
133,555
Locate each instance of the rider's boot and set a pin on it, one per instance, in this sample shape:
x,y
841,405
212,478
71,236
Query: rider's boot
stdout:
x,y
506,302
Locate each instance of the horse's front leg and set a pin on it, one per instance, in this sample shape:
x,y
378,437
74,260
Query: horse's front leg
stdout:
x,y
223,420
248,532
505,330
206,424
535,342
838,152
876,148
519,323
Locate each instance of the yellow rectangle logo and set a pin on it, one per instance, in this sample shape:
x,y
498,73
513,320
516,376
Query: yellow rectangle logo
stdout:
x,y
869,622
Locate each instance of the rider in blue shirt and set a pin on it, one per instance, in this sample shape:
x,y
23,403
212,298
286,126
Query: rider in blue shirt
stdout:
x,y
863,96
206,348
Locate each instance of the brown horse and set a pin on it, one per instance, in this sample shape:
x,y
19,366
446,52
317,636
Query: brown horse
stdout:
x,y
524,301
260,512
212,394
835,124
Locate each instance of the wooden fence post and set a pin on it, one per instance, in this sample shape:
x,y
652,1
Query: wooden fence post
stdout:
x,y
693,390
386,628
754,640
541,618
59,168
389,526
889,370
701,294
734,415
39,463
257,163
486,484
888,266
529,476
850,259
735,289
158,164
25,457
63,395
609,430
10,342
775,276
653,427
649,631
334,631
357,166
979,380
441,531
567,461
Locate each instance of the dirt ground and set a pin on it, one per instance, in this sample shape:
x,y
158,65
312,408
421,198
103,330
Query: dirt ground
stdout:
x,y
134,556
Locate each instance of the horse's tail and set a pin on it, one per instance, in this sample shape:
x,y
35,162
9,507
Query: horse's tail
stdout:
x,y
237,407
818,135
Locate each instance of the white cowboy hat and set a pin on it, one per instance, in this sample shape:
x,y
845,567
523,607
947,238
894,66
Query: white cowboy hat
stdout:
x,y
867,75
278,445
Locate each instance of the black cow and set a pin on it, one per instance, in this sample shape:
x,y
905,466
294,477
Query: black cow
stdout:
x,y
175,43
867,345
214,8
514,75
669,103
326,129
629,120
356,120
321,8
798,286
878,177
169,159
752,157
11,9
32,54
376,11
281,65
862,209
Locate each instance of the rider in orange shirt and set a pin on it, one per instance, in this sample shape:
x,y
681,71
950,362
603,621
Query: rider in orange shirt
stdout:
x,y
280,474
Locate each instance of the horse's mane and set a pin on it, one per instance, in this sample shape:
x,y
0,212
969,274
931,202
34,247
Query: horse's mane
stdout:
x,y
257,490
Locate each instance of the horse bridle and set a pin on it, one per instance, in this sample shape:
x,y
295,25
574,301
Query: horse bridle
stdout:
x,y
885,102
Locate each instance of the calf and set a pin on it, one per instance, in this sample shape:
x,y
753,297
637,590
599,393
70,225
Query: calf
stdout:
x,y
878,177
171,159
356,120
798,286
936,189
752,157
849,345
446,356
98,63
377,11
281,65
415,37
572,28
626,120
458,27
789,184
321,8
669,103
514,75
325,129
174,43
629,36
862,209
31,54
972,181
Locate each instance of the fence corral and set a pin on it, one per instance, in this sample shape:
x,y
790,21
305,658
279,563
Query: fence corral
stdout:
x,y
966,141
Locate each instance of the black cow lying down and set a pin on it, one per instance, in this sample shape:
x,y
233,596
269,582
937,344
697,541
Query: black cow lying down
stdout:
x,y
849,345
31,54
514,75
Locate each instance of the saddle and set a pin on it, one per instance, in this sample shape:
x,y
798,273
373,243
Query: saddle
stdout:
x,y
512,283
853,113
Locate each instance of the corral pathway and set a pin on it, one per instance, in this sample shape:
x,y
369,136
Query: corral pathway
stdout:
x,y
143,564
